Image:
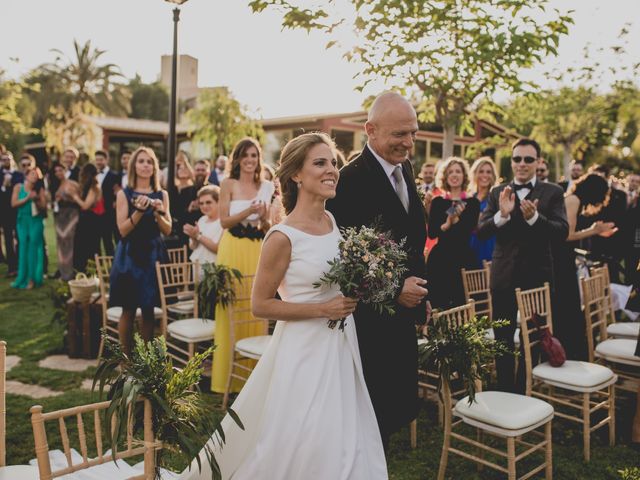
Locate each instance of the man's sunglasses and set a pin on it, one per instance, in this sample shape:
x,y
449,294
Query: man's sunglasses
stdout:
x,y
526,159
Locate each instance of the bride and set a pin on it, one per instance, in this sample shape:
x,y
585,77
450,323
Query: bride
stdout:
x,y
305,409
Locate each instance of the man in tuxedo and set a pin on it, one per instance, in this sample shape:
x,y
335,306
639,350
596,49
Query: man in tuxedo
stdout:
x,y
108,181
526,216
377,188
124,165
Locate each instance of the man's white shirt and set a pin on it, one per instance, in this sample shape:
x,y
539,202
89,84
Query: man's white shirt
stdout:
x,y
499,220
388,170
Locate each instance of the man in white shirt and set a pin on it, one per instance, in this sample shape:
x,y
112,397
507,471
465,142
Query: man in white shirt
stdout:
x,y
109,184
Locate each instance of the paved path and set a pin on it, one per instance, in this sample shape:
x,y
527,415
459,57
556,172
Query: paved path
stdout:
x,y
63,362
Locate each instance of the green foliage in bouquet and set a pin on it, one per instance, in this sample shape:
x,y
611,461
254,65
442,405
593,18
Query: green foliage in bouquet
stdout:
x,y
216,287
462,351
180,419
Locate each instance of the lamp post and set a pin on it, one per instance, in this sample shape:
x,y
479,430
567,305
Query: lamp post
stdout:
x,y
171,153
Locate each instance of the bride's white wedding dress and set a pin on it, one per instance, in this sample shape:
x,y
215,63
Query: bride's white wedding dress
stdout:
x,y
305,408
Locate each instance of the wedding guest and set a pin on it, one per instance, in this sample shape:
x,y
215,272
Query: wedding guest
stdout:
x,y
205,235
66,214
427,177
610,249
453,217
526,217
277,210
542,170
31,203
483,179
124,168
142,210
8,213
108,182
219,172
244,214
587,196
576,169
182,196
201,173
91,203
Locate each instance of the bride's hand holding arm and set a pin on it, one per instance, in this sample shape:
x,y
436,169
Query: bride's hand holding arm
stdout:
x,y
274,261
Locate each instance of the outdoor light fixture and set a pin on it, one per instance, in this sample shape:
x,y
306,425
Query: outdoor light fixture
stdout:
x,y
172,140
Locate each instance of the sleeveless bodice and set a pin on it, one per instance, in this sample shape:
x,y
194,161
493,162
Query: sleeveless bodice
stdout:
x,y
310,255
264,194
24,210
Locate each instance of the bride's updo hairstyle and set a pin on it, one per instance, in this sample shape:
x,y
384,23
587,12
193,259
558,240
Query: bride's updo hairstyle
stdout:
x,y
292,159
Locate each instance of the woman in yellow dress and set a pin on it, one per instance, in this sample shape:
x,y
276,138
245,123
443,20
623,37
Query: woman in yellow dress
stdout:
x,y
244,214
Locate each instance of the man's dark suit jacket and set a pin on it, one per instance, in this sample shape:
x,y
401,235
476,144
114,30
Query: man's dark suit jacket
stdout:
x,y
111,179
387,343
522,255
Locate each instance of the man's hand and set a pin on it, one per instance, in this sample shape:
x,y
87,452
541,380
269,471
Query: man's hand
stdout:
x,y
412,292
506,202
529,208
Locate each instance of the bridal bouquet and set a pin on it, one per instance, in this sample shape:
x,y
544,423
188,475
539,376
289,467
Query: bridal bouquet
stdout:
x,y
369,268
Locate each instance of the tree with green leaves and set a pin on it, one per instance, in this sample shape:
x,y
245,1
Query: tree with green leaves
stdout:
x,y
148,100
453,53
219,120
70,89
15,113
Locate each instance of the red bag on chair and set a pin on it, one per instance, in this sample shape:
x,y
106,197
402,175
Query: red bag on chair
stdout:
x,y
550,344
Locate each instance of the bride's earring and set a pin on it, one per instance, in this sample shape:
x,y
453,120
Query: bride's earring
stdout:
x,y
299,185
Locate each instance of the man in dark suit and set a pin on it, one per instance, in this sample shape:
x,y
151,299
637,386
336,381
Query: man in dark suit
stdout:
x,y
576,169
109,182
377,188
526,216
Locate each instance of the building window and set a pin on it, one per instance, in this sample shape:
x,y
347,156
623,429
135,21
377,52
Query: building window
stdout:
x,y
419,154
457,150
435,151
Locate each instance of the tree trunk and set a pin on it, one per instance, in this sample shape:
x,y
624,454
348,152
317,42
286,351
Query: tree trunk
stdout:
x,y
556,162
449,136
566,159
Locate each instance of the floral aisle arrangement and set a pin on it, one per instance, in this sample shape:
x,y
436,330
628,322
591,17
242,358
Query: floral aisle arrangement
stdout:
x,y
369,268
181,420
461,351
216,287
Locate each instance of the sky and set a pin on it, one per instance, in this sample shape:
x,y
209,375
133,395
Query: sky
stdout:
x,y
273,72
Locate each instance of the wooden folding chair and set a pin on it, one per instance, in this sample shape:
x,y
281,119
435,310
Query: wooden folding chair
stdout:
x,y
616,353
111,315
427,380
584,387
178,255
177,281
147,447
476,284
245,349
615,329
11,472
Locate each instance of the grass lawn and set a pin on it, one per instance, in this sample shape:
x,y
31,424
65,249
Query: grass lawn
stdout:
x,y
25,324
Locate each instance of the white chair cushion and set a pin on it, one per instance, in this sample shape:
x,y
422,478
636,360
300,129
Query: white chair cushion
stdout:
x,y
574,374
114,313
621,350
182,308
253,347
504,410
422,341
21,472
192,330
624,330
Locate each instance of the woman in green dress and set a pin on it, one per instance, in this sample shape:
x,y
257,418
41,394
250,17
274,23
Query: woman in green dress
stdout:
x,y
32,205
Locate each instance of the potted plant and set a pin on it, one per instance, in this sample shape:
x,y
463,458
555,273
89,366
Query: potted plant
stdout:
x,y
216,287
181,420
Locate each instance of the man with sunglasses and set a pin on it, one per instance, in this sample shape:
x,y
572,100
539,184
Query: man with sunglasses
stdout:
x,y
526,216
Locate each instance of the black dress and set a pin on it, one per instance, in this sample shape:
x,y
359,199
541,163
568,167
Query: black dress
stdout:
x,y
452,252
568,319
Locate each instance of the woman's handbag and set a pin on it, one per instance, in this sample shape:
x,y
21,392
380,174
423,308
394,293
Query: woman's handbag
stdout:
x,y
550,344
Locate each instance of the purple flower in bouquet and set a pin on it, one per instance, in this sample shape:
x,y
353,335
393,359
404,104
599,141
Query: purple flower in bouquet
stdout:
x,y
369,268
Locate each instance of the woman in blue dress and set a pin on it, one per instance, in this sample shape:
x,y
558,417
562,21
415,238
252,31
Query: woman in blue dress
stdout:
x,y
142,212
483,179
